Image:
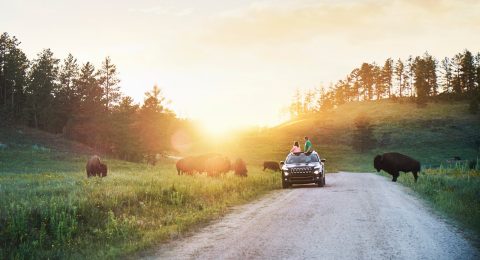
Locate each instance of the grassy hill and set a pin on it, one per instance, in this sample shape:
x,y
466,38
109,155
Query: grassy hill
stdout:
x,y
431,134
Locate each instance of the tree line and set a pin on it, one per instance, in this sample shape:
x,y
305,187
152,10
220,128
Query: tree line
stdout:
x,y
82,102
417,78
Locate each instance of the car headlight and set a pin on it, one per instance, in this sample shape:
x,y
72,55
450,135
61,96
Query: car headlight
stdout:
x,y
285,173
284,168
316,172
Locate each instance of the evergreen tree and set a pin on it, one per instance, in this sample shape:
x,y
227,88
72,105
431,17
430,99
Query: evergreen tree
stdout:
x,y
400,77
155,122
366,80
363,138
467,72
124,138
42,84
109,82
13,77
477,73
446,71
88,116
456,76
387,75
67,96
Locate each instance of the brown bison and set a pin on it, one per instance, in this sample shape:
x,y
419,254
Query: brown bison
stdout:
x,y
95,167
217,165
239,168
193,164
271,165
186,166
394,163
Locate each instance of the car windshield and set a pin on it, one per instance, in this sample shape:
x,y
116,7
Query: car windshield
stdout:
x,y
302,158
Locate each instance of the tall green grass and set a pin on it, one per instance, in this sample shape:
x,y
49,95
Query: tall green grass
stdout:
x,y
453,190
55,215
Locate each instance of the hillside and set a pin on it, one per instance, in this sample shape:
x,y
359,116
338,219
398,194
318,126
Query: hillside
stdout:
x,y
433,134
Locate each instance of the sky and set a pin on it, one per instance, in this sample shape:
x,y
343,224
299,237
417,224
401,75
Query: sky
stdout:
x,y
237,63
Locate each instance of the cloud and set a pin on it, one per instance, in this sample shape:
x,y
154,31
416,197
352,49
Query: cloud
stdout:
x,y
163,10
267,22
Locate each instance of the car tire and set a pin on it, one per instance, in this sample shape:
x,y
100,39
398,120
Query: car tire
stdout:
x,y
321,183
285,184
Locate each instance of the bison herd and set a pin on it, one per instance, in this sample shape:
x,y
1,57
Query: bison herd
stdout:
x,y
212,164
217,165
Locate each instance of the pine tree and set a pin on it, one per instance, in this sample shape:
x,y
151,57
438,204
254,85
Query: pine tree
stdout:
x,y
88,116
124,139
367,80
446,71
456,74
13,76
467,72
399,75
387,72
109,82
363,138
67,96
42,85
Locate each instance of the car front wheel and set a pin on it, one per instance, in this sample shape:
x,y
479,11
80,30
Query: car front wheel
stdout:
x,y
321,183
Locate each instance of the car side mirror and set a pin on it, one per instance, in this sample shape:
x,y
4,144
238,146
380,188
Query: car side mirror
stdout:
x,y
282,162
323,160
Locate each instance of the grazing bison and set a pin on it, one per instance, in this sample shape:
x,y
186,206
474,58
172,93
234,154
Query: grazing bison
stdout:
x,y
271,165
217,165
239,168
95,167
394,163
193,164
186,165
199,162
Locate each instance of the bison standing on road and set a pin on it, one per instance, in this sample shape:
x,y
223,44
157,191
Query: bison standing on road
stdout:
x,y
95,167
394,163
240,168
271,165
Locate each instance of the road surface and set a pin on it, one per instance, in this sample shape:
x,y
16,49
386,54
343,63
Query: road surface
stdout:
x,y
356,216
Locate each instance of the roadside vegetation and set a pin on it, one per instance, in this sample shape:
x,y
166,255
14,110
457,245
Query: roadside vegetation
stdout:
x,y
49,213
453,190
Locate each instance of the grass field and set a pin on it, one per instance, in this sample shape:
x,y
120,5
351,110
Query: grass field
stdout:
x,y
453,190
49,209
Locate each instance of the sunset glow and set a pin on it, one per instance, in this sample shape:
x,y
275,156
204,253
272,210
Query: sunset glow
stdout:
x,y
236,63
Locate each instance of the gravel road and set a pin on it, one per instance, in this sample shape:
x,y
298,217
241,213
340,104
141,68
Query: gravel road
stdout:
x,y
356,216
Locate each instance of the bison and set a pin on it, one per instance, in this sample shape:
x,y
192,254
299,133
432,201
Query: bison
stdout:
x,y
271,165
239,168
95,167
193,164
394,163
186,165
217,165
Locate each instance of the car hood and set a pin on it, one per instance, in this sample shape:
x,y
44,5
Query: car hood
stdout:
x,y
293,165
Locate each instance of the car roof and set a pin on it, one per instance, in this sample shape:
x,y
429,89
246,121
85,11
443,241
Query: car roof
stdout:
x,y
297,154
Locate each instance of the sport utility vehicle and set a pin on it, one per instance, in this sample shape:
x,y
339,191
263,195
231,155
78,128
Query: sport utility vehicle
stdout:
x,y
299,168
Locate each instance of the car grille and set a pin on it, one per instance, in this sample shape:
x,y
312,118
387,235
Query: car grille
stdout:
x,y
299,171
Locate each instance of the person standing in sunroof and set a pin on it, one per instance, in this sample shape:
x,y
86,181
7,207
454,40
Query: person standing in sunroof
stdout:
x,y
308,146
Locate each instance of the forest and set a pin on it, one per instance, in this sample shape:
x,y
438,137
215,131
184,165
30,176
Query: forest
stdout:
x,y
86,104
82,103
416,79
